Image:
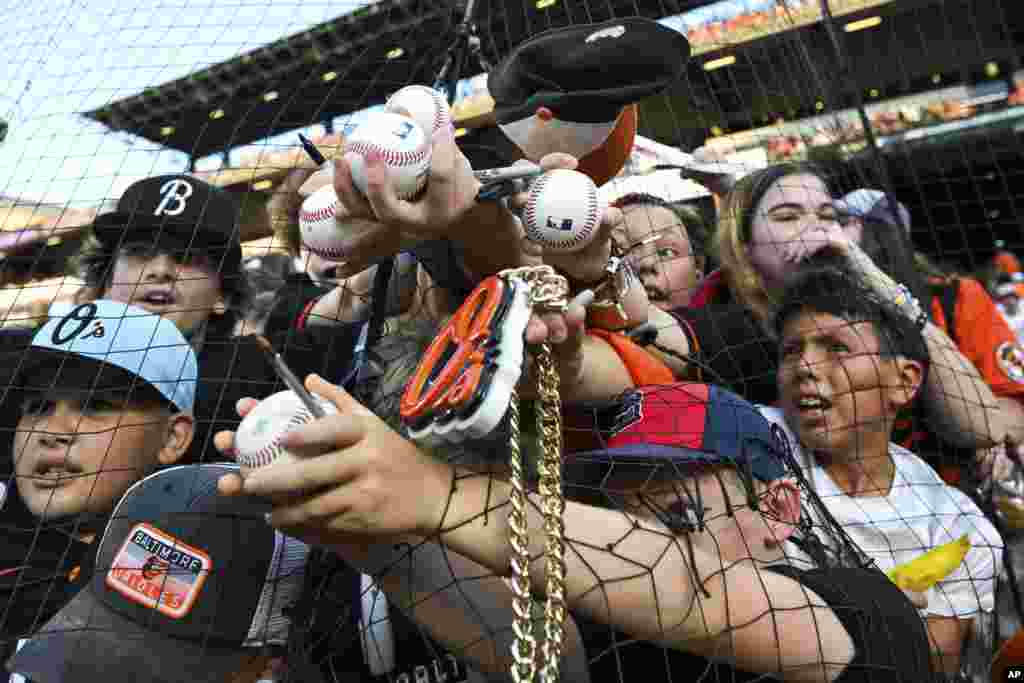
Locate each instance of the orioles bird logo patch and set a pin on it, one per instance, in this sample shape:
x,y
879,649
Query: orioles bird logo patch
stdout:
x,y
1010,357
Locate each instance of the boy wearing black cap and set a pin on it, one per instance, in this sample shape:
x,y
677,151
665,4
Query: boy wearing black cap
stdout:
x,y
171,247
702,549
189,586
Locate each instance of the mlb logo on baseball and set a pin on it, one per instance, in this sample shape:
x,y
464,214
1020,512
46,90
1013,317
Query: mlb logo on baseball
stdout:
x,y
405,128
565,224
156,570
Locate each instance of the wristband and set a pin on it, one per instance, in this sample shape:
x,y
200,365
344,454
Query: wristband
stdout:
x,y
904,299
607,312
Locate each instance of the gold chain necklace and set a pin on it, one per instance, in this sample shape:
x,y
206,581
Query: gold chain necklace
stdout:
x,y
447,381
547,290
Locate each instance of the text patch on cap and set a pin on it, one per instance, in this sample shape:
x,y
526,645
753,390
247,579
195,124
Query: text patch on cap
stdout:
x,y
629,411
157,570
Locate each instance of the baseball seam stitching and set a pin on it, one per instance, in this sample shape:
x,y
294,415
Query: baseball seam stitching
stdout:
x,y
439,106
391,157
316,215
320,214
531,203
326,252
395,158
270,452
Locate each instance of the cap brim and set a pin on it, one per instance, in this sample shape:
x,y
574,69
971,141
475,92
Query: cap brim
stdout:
x,y
597,463
641,454
605,162
111,230
589,466
86,642
44,370
847,209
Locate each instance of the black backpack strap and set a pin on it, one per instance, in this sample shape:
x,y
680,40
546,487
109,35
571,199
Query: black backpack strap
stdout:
x,y
949,296
356,383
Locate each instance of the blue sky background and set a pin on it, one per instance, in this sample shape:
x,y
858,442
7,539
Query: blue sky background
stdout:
x,y
67,56
74,56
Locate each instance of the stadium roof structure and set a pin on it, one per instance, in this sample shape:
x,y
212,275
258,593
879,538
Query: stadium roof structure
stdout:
x,y
340,66
356,60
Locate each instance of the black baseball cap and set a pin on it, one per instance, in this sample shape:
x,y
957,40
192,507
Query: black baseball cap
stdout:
x,y
588,73
187,582
179,208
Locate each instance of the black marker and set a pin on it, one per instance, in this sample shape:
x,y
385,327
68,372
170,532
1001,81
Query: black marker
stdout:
x,y
312,151
289,378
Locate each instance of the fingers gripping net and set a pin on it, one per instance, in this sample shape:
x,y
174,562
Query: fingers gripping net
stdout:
x,y
99,97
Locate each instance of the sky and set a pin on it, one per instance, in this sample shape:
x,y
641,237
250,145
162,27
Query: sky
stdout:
x,y
68,56
76,55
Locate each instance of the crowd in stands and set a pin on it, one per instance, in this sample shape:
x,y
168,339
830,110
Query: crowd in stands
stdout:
x,y
789,404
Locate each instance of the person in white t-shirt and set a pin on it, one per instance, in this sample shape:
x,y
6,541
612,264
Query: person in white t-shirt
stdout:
x,y
849,362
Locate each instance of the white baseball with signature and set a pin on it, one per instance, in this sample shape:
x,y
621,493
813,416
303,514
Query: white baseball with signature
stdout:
x,y
562,211
403,145
258,438
426,106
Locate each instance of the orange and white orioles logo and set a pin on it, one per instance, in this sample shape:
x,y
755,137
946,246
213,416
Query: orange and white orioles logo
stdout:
x,y
464,383
156,570
1010,357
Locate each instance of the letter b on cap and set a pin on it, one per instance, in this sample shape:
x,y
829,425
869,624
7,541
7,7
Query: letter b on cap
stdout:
x,y
173,194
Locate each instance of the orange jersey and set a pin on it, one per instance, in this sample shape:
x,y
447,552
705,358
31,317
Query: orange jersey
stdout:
x,y
1007,262
984,337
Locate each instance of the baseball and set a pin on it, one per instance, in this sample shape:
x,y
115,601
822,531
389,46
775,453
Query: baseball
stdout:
x,y
403,145
426,106
318,227
258,439
562,211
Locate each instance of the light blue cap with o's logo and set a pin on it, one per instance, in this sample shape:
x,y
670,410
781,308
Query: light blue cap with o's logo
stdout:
x,y
128,337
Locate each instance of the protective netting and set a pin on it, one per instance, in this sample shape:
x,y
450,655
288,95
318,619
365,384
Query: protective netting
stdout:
x,y
811,378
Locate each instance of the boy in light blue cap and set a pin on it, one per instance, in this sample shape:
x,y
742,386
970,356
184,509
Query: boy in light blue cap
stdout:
x,y
102,395
105,396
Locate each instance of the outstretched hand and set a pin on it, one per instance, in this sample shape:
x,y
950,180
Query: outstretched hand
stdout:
x,y
355,476
564,331
587,264
387,224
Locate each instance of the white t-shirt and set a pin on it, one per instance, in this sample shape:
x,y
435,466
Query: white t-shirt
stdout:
x,y
919,513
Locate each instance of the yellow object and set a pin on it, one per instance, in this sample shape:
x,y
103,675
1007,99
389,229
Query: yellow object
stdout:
x,y
925,571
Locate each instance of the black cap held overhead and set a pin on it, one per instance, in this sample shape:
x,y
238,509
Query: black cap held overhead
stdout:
x,y
588,73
